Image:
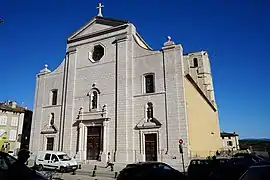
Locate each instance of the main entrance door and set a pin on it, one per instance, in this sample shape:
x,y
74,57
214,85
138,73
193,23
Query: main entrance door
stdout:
x,y
151,147
93,142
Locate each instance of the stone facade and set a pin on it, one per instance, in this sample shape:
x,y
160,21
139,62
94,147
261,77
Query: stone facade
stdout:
x,y
117,83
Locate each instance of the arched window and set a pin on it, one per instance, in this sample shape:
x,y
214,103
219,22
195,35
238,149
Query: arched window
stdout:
x,y
94,100
52,119
149,110
195,62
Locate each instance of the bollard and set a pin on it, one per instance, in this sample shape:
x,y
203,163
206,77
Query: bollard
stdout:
x,y
95,167
115,175
94,173
74,173
111,167
80,166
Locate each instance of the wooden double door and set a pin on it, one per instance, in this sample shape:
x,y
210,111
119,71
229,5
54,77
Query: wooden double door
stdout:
x,y
150,147
94,142
50,143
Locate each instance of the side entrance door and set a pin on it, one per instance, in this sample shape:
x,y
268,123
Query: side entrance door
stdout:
x,y
93,142
150,147
50,142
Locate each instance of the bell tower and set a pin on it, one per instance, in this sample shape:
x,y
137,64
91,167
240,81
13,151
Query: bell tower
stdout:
x,y
200,61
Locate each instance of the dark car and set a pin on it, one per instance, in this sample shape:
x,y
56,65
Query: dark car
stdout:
x,y
233,169
7,161
202,168
149,170
261,172
199,169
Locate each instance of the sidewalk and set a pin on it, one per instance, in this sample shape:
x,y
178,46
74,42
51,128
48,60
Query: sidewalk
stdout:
x,y
100,173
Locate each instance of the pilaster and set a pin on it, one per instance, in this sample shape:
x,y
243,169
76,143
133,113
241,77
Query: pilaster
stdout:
x,y
176,109
69,116
124,97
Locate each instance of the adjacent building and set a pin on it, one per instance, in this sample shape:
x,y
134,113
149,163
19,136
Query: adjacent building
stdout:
x,y
11,125
229,141
113,94
26,131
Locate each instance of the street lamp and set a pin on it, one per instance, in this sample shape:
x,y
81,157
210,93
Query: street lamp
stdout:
x,y
1,20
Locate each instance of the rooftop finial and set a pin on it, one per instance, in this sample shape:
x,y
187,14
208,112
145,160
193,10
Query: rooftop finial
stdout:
x,y
100,6
169,41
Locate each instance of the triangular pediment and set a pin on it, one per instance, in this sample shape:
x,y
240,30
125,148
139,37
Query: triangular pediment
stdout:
x,y
97,24
49,129
148,124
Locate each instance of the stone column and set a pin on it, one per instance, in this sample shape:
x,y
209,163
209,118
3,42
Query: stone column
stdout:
x,y
85,143
104,150
81,142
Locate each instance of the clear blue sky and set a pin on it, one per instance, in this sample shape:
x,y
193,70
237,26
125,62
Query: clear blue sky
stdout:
x,y
235,34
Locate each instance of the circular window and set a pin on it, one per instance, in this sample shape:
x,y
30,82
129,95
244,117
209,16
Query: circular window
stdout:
x,y
97,53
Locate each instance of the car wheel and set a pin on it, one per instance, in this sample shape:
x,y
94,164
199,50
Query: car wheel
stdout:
x,y
39,167
62,169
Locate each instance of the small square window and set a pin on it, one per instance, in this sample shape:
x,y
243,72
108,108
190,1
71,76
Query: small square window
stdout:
x,y
229,143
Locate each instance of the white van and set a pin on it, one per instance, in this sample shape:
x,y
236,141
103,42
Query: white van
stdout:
x,y
55,160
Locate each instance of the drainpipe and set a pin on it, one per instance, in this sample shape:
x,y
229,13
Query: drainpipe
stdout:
x,y
65,102
62,100
115,111
166,105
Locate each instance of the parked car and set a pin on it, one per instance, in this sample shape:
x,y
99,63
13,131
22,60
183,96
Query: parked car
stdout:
x,y
233,169
199,169
149,170
261,172
55,160
6,162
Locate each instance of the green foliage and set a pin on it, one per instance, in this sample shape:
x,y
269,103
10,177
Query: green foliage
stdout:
x,y
256,144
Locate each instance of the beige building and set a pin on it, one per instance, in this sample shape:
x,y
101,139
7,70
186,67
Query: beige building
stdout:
x,y
229,141
113,93
11,123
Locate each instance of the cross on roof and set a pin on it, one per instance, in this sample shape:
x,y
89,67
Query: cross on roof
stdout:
x,y
100,6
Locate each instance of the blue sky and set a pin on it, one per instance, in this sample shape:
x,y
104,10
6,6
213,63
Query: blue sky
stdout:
x,y
235,34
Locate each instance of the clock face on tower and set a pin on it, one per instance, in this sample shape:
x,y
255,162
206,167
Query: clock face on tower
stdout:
x,y
97,53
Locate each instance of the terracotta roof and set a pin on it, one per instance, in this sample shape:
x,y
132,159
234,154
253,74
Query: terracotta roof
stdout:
x,y
226,134
7,107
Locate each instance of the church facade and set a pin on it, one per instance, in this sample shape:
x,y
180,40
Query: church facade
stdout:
x,y
112,94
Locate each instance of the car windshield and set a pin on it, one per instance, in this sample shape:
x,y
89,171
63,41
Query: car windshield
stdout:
x,y
64,157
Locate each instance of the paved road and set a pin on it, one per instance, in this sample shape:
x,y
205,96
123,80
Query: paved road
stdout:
x,y
83,177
